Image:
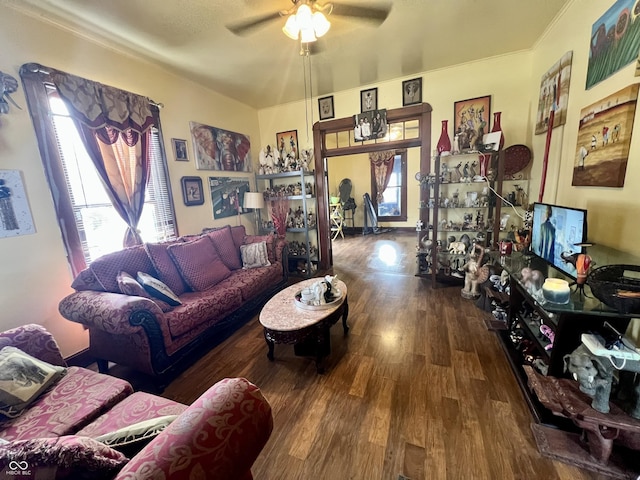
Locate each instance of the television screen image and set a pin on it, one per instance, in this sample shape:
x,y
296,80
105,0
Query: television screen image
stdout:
x,y
556,231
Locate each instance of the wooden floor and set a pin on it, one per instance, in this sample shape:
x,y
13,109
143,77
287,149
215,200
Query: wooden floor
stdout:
x,y
419,387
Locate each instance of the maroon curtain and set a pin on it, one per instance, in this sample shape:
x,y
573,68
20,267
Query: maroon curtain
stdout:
x,y
115,127
381,168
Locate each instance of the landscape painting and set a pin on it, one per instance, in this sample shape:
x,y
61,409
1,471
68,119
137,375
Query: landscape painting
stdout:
x,y
558,75
615,39
227,195
604,137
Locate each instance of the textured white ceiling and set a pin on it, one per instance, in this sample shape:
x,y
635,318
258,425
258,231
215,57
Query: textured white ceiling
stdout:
x,y
264,68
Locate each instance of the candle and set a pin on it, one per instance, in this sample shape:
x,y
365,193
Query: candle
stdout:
x,y
556,290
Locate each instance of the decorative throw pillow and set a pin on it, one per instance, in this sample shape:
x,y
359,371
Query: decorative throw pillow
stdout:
x,y
238,232
164,266
67,457
86,280
270,240
254,255
129,440
132,260
157,289
130,286
229,253
199,263
22,379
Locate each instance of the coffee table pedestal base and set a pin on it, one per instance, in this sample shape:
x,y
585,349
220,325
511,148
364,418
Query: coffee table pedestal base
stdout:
x,y
313,341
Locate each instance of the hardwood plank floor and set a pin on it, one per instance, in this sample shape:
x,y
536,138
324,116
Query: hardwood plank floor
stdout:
x,y
419,387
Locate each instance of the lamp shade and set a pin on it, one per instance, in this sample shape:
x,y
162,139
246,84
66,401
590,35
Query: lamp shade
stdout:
x,y
253,200
320,24
291,28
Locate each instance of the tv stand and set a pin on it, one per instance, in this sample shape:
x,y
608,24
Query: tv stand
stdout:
x,y
525,345
538,365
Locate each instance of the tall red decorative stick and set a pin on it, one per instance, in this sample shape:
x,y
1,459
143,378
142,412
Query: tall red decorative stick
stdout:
x,y
545,160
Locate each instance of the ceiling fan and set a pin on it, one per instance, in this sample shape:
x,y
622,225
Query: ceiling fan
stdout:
x,y
375,14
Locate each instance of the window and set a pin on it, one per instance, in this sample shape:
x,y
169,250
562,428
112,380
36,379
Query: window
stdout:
x,y
393,207
89,223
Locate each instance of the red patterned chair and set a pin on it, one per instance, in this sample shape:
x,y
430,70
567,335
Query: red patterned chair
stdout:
x,y
205,272
219,436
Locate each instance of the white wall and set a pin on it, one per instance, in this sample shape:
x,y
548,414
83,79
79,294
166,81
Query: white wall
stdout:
x,y
34,273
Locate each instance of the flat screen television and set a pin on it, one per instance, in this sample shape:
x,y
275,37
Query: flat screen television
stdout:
x,y
558,231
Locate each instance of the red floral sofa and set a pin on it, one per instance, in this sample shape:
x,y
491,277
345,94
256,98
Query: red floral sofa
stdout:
x,y
206,274
57,436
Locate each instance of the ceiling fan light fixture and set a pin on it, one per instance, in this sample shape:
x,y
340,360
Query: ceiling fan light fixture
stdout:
x,y
291,28
304,16
320,24
307,35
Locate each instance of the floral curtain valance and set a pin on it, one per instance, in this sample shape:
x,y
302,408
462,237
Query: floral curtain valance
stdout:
x,y
97,105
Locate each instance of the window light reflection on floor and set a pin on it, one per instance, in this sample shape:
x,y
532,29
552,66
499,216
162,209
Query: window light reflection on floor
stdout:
x,y
388,255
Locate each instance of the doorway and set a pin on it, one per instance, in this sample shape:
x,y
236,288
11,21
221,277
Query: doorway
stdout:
x,y
408,127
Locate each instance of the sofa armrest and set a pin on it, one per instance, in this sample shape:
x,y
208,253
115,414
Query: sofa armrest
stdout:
x,y
110,312
219,436
34,340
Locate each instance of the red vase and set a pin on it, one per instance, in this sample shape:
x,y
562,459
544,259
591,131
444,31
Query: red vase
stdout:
x,y
497,127
444,143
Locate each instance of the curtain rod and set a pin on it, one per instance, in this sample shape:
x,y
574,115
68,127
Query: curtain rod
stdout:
x,y
37,68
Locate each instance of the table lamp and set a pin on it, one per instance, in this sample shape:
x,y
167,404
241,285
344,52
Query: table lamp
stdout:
x,y
254,200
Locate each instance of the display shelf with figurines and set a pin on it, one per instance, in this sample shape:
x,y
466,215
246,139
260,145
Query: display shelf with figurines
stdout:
x,y
463,211
292,213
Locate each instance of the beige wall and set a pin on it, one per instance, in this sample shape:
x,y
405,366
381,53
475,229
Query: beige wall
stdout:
x,y
441,88
612,212
34,273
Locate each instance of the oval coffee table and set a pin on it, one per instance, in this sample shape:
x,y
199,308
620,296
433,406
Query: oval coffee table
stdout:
x,y
307,330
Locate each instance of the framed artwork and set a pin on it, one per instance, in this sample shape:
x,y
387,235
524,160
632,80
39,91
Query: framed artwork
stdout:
x,y
368,100
558,76
412,92
192,193
15,215
471,122
218,149
370,125
180,149
287,144
227,195
325,106
604,137
614,41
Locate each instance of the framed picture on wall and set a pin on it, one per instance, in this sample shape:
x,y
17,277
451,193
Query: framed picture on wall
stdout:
x,y
368,100
412,91
227,195
325,105
471,122
287,143
218,149
192,193
180,150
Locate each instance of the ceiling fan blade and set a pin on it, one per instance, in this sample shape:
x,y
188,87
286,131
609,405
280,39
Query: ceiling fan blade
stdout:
x,y
376,14
245,27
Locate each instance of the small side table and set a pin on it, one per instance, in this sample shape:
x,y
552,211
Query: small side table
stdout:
x,y
337,220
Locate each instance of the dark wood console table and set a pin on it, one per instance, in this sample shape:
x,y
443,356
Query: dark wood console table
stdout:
x,y
584,313
594,448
